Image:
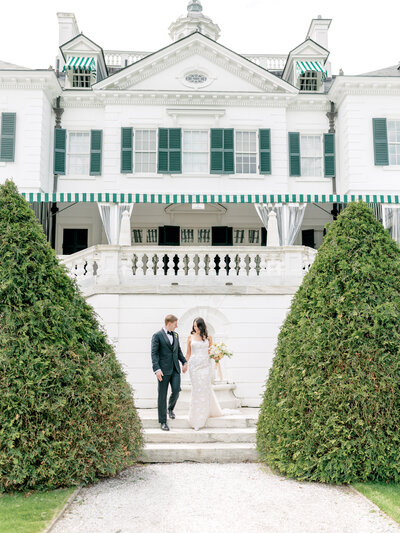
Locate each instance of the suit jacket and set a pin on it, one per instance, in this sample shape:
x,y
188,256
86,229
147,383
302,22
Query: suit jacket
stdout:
x,y
164,355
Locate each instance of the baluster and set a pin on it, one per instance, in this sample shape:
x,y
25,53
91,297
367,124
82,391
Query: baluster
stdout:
x,y
139,265
252,265
170,265
191,265
242,265
212,265
201,266
158,265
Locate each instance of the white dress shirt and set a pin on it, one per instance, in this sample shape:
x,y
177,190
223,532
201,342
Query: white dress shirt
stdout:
x,y
170,337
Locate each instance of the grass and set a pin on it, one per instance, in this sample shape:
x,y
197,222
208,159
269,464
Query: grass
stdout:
x,y
31,513
385,495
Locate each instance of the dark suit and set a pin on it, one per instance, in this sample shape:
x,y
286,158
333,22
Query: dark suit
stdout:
x,y
166,356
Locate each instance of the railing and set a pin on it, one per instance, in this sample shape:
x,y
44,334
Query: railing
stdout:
x,y
119,59
267,61
123,59
131,265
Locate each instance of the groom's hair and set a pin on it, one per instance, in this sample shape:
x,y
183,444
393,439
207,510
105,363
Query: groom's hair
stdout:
x,y
170,318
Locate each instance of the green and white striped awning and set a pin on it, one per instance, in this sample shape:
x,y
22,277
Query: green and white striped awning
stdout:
x,y
129,198
86,63
306,66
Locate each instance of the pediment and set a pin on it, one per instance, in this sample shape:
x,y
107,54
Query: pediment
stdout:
x,y
308,50
223,70
80,45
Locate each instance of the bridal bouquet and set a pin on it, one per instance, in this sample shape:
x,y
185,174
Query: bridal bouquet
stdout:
x,y
219,350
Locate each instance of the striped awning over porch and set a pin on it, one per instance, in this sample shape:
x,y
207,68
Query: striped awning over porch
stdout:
x,y
91,197
306,66
86,63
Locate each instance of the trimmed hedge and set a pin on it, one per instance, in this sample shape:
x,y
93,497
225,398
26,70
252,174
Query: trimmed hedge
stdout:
x,y
67,414
331,407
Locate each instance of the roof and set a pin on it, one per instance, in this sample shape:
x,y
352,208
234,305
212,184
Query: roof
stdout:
x,y
10,66
388,71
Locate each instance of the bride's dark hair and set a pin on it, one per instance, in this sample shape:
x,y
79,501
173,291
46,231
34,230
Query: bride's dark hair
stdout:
x,y
202,327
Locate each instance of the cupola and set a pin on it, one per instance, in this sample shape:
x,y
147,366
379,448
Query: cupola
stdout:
x,y
193,21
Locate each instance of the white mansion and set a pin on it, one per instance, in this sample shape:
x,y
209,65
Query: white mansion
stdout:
x,y
156,176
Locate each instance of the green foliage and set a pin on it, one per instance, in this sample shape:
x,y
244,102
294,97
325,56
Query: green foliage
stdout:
x,y
385,495
331,407
31,512
66,410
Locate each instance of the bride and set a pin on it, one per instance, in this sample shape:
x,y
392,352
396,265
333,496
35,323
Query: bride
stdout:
x,y
204,402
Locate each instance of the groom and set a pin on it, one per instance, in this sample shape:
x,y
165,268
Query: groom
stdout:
x,y
165,356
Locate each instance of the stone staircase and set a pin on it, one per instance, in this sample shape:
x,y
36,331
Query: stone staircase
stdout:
x,y
227,439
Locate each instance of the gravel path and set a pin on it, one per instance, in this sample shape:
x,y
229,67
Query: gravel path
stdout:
x,y
198,498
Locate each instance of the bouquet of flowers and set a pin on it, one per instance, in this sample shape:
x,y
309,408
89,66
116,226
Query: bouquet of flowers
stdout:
x,y
219,350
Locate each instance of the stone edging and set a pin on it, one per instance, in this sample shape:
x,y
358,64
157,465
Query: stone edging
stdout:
x,y
372,504
63,510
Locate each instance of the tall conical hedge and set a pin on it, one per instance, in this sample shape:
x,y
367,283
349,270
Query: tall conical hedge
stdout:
x,y
66,410
331,408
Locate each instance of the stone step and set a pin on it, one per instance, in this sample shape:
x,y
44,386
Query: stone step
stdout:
x,y
246,417
215,452
225,435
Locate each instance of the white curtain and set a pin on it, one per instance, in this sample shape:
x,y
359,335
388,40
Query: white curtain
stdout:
x,y
391,221
111,216
289,216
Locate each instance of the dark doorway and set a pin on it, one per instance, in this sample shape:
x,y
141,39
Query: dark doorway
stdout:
x,y
307,238
169,235
74,240
222,236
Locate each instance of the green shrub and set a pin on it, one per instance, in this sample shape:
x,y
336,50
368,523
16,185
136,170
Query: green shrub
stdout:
x,y
66,410
331,407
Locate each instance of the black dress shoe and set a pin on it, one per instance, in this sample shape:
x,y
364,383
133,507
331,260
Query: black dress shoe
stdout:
x,y
171,414
164,427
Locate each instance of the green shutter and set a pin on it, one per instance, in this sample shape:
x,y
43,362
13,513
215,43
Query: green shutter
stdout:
x,y
294,154
175,150
229,152
60,136
329,155
222,151
126,150
265,151
96,138
169,150
216,155
381,151
7,137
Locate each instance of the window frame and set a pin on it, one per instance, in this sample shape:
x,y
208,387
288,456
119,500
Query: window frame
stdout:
x,y
393,143
309,76
85,75
321,156
68,153
256,152
207,152
155,151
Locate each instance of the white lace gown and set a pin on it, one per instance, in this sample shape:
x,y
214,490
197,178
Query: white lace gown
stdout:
x,y
204,403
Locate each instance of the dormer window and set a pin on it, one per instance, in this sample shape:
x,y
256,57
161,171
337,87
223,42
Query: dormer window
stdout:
x,y
81,78
308,81
81,71
310,75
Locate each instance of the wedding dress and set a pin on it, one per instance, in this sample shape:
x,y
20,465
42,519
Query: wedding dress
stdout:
x,y
204,402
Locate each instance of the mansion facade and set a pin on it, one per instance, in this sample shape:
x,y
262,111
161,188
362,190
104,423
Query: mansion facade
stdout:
x,y
195,179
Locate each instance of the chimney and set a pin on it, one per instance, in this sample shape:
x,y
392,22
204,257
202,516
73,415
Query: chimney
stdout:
x,y
67,27
318,31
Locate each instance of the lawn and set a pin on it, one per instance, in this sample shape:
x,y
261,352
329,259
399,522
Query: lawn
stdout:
x,y
22,513
385,495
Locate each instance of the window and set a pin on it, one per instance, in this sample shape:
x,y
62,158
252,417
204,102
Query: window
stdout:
x,y
238,236
145,150
187,236
137,235
152,236
196,78
74,240
393,127
246,152
195,151
81,77
254,236
309,81
311,155
203,236
78,152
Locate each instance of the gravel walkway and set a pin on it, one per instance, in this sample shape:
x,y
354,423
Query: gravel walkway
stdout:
x,y
198,498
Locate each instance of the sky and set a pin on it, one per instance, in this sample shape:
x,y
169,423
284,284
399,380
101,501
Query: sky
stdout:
x,y
361,38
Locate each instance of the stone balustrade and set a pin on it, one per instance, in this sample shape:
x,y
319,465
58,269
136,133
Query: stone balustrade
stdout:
x,y
121,59
108,265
